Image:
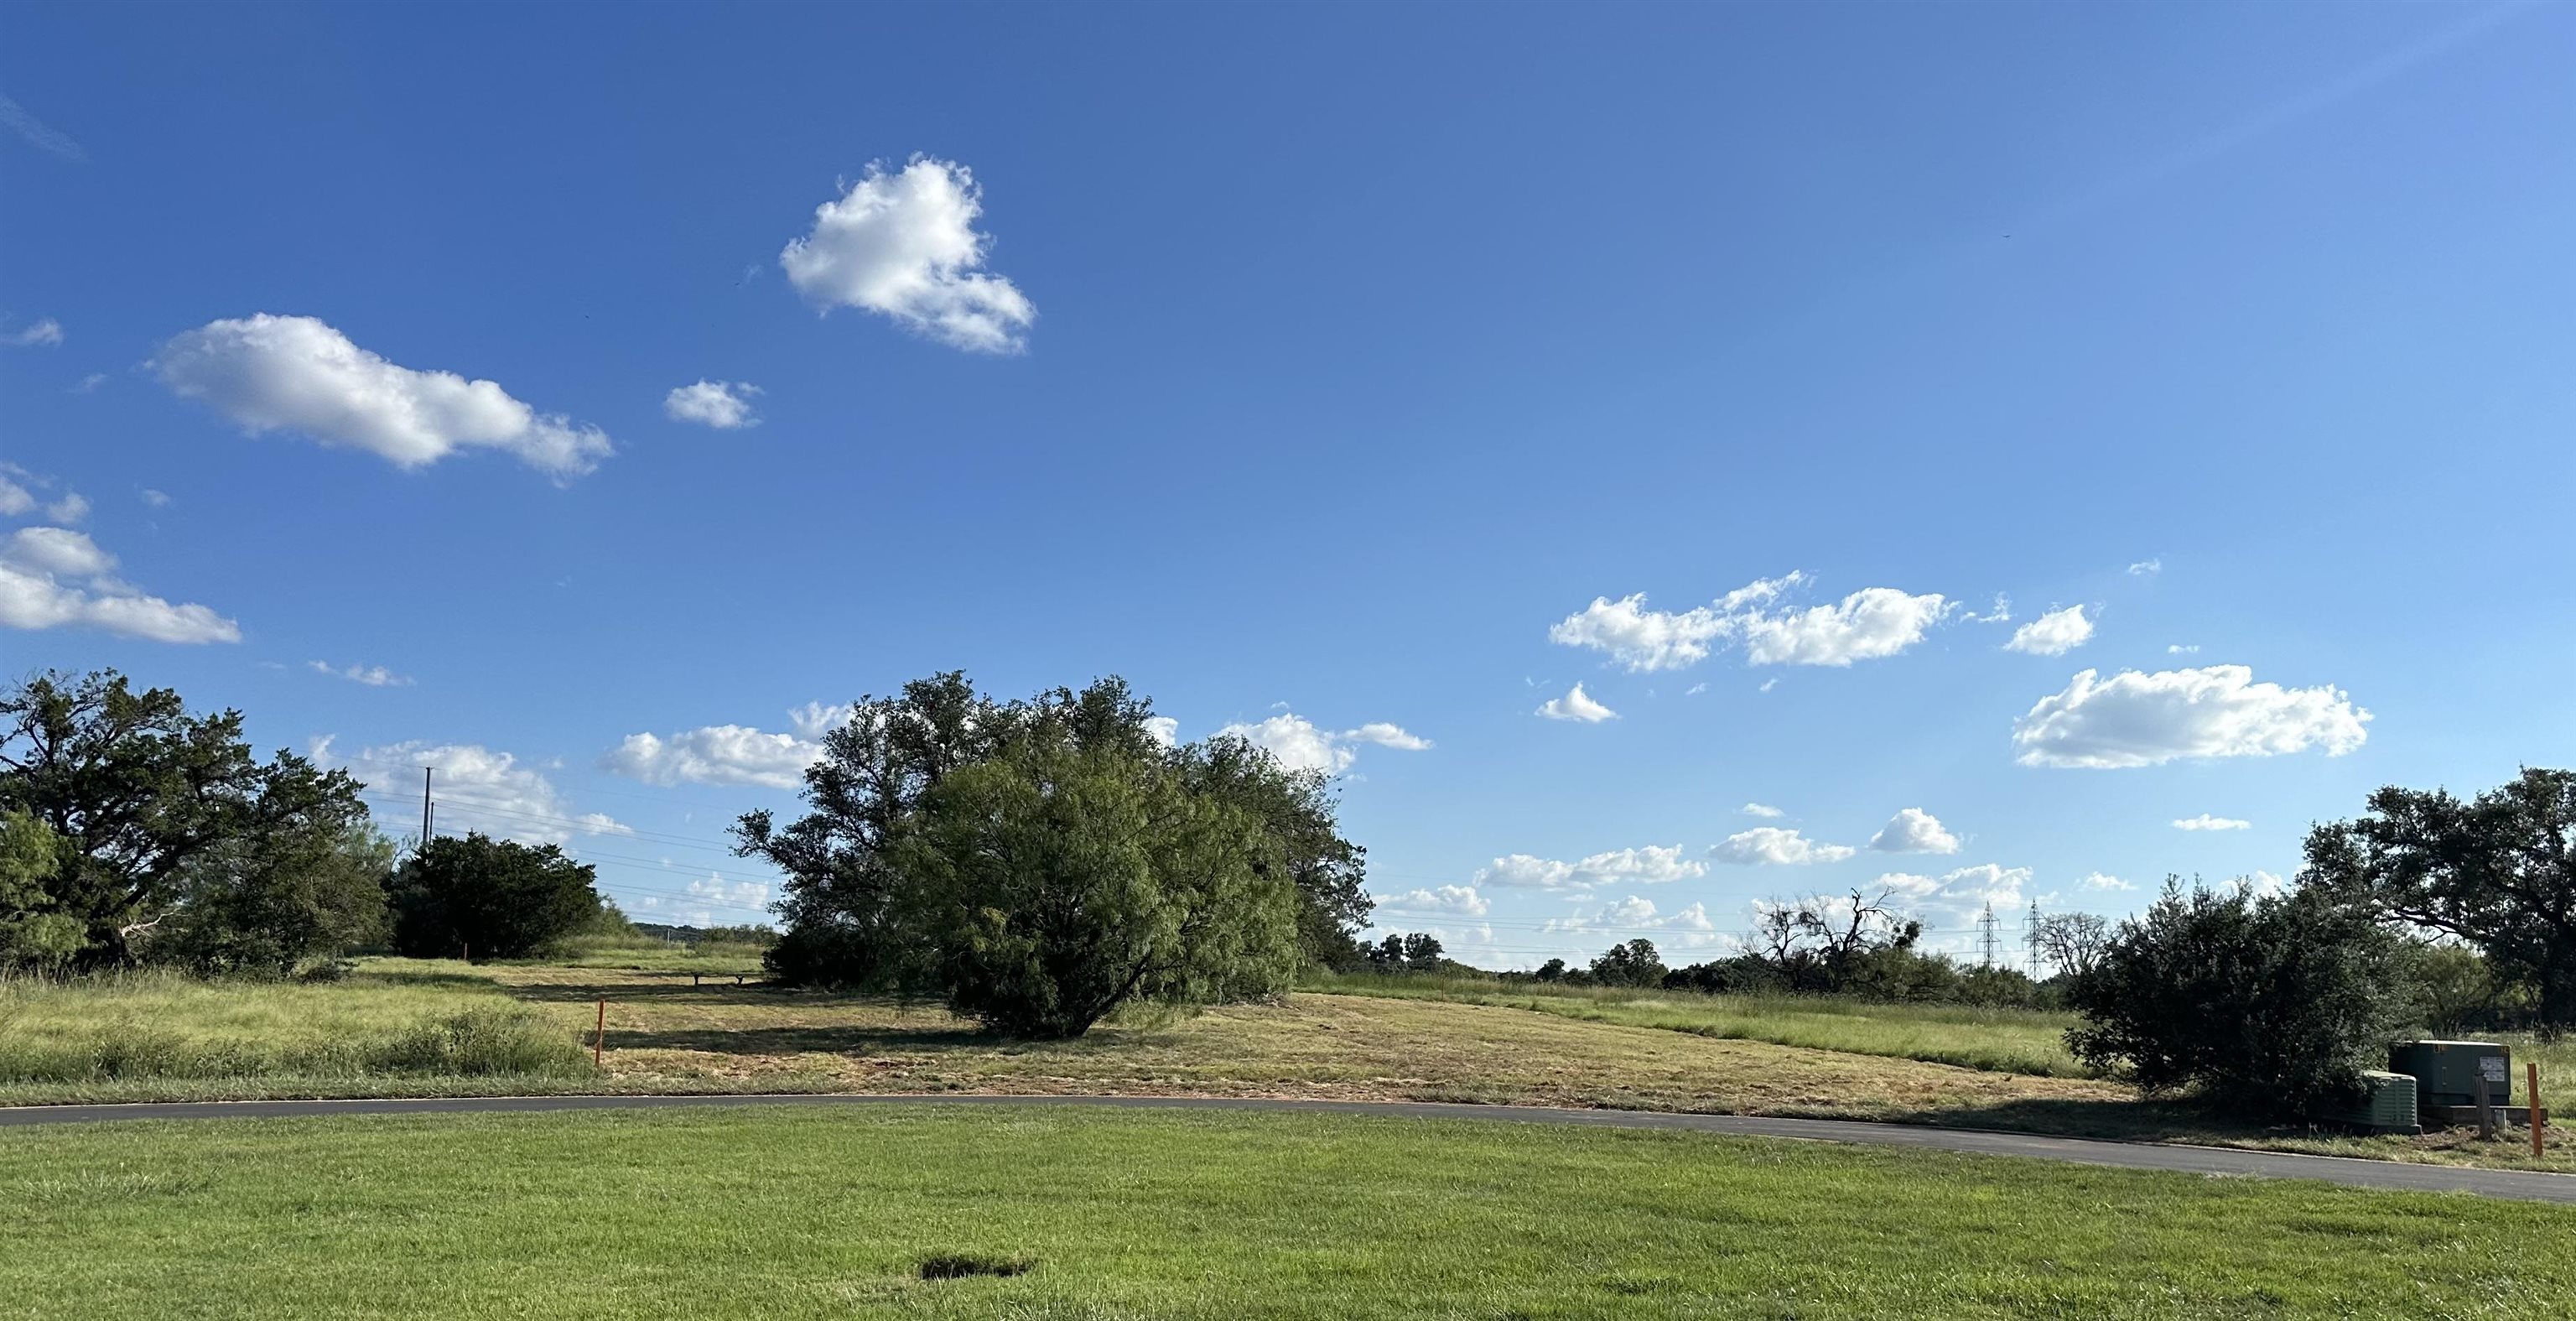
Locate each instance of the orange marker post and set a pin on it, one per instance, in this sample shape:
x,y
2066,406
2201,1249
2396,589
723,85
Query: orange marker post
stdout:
x,y
2531,1094
599,1040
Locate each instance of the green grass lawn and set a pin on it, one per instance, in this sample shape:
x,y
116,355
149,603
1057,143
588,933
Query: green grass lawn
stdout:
x,y
740,1213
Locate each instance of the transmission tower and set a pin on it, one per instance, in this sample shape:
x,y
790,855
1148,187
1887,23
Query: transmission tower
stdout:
x,y
1986,935
2030,940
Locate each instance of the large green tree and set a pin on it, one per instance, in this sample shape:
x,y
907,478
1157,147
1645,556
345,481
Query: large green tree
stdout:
x,y
1050,884
2497,871
1038,862
273,897
135,791
479,897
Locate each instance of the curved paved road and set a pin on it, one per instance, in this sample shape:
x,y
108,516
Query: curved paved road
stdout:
x,y
2518,1185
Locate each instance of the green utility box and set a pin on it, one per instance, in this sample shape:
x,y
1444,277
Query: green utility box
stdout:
x,y
2446,1072
2387,1105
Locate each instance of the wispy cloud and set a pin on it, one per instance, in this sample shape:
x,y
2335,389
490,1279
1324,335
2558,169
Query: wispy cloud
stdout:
x,y
37,133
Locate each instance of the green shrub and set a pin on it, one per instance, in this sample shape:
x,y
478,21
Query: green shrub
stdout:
x,y
2270,1004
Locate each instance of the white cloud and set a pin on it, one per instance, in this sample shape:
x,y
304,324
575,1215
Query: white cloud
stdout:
x,y
156,499
1388,736
1870,623
1690,928
52,576
1164,730
476,788
730,754
15,499
721,892
1762,809
1301,746
1639,638
903,244
43,334
1866,625
373,676
1777,846
2136,719
2098,880
724,405
2182,649
1914,830
57,551
37,133
2144,567
1459,899
72,508
1650,865
2000,614
2264,883
715,754
295,373
1576,705
2053,634
90,382
2205,821
1953,902
1695,689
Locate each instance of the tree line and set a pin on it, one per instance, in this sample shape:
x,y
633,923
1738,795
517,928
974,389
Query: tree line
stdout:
x,y
132,832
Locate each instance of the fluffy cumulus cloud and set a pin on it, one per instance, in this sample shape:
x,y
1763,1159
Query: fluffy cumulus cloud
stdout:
x,y
1650,865
2138,719
1868,624
477,788
724,405
1688,928
712,900
1763,810
1577,705
1164,730
1777,846
295,373
903,244
1639,638
2102,880
373,676
1461,900
2205,821
1950,904
54,577
729,754
1914,830
1301,745
2053,634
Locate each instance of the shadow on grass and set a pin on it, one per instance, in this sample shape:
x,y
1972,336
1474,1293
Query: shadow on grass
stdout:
x,y
712,992
853,1040
2125,1121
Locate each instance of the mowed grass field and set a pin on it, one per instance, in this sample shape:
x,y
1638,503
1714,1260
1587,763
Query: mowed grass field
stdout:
x,y
777,1214
401,1027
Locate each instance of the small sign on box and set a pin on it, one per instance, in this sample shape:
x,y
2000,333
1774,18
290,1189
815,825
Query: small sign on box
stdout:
x,y
2491,1067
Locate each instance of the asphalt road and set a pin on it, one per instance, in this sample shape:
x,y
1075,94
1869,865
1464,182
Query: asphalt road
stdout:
x,y
2517,1185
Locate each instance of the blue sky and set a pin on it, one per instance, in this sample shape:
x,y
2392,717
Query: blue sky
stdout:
x,y
1318,370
